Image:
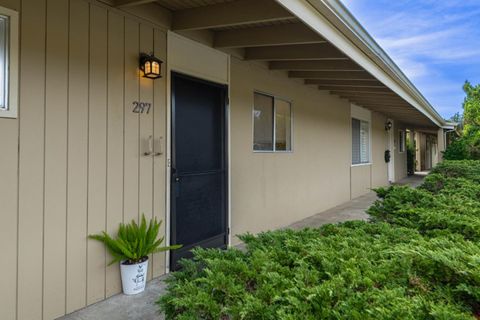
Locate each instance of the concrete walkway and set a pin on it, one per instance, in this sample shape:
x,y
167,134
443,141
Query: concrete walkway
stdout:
x,y
143,307
353,209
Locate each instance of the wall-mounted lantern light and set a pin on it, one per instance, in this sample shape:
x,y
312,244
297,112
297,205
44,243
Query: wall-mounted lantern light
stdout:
x,y
151,66
388,125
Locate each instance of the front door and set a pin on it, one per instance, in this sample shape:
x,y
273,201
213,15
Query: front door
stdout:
x,y
391,147
199,173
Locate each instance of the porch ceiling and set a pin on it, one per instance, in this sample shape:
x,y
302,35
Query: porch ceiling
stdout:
x,y
263,30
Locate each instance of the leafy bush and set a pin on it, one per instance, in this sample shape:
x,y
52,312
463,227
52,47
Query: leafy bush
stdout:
x,y
418,259
134,242
466,143
411,158
448,202
468,169
356,270
456,150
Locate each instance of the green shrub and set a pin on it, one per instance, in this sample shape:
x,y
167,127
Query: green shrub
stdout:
x,y
411,158
456,150
419,258
440,206
356,270
468,169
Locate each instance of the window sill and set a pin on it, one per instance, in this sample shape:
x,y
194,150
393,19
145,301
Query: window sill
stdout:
x,y
257,151
8,114
361,164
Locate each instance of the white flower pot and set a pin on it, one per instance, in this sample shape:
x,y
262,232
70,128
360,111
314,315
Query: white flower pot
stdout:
x,y
134,277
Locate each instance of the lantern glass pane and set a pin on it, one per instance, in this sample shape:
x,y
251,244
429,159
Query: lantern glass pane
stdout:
x,y
148,67
155,67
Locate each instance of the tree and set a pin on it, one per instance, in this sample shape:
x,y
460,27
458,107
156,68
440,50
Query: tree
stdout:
x,y
465,144
471,119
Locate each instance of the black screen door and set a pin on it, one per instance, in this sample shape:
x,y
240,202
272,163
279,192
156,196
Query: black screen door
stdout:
x,y
198,174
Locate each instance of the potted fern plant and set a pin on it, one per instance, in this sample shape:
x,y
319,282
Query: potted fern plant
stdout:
x,y
131,247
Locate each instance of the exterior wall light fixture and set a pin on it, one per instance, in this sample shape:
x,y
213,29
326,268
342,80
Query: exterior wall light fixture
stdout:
x,y
388,125
151,66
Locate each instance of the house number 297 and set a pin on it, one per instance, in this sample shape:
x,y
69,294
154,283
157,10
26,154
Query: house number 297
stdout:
x,y
141,107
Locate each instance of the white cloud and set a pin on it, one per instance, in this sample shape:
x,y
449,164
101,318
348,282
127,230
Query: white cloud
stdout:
x,y
435,42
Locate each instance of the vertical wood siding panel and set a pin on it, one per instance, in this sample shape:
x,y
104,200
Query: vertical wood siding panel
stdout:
x,y
146,130
8,199
8,227
31,162
97,152
77,156
131,140
115,140
159,168
56,117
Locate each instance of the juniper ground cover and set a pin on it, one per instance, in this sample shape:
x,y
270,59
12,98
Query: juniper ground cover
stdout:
x,y
419,258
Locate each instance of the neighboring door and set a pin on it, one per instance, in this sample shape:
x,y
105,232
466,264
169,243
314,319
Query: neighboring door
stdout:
x,y
428,155
391,147
199,173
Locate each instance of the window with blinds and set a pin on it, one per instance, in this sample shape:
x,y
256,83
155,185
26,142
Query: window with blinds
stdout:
x,y
360,141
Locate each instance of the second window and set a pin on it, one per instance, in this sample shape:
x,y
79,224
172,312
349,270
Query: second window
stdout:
x,y
360,141
272,124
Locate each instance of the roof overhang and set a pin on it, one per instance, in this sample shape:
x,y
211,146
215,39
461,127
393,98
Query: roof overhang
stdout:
x,y
336,24
317,42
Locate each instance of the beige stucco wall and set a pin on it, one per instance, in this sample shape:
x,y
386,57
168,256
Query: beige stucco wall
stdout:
x,y
271,190
361,180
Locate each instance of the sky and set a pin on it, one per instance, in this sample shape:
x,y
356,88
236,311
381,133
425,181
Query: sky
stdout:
x,y
436,43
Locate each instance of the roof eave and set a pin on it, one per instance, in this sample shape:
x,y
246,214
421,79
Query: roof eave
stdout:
x,y
342,26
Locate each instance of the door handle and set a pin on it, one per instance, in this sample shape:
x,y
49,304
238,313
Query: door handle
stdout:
x,y
158,146
177,186
149,146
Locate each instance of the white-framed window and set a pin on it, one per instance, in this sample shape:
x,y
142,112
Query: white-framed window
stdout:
x,y
360,141
272,124
402,141
8,63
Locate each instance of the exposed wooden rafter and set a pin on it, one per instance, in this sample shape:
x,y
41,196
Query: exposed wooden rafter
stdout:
x,y
234,13
349,83
291,33
315,65
383,95
131,3
353,90
295,52
379,103
371,98
333,75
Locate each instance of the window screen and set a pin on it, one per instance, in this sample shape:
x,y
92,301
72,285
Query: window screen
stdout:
x,y
360,141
